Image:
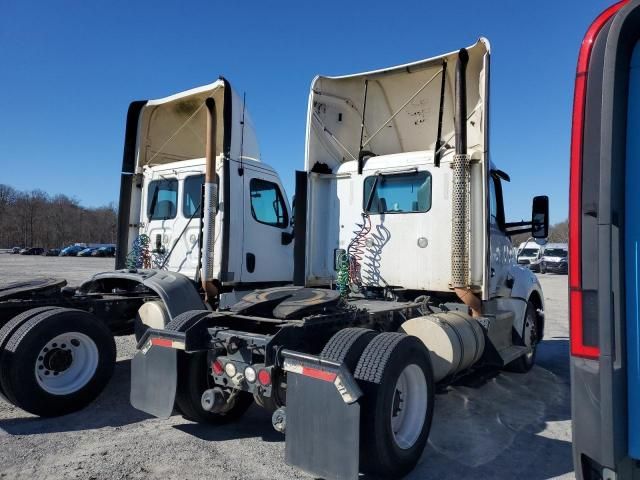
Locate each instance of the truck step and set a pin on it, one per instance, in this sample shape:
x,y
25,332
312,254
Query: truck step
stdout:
x,y
508,355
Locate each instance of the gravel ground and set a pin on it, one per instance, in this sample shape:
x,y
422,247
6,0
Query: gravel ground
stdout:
x,y
508,426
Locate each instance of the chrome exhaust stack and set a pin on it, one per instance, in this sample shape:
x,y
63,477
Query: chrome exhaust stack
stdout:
x,y
210,203
460,201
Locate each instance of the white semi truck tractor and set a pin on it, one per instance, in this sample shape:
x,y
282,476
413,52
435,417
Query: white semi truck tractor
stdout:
x,y
57,350
404,280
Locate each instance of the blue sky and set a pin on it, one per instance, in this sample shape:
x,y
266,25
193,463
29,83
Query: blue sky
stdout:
x,y
69,70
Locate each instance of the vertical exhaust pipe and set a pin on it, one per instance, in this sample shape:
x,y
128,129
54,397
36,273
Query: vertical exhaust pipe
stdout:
x,y
210,203
461,197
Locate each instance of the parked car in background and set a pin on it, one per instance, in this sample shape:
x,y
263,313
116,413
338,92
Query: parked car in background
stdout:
x,y
71,250
86,252
529,255
104,252
15,250
554,258
52,252
32,251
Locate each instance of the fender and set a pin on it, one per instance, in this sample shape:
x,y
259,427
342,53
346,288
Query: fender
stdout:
x,y
527,287
179,293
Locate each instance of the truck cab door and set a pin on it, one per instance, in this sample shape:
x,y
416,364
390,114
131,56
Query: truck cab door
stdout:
x,y
267,242
502,256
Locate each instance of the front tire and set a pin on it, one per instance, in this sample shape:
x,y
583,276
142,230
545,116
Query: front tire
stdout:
x,y
57,362
529,339
396,377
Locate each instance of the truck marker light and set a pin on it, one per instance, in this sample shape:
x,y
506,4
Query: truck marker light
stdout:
x,y
578,348
250,374
264,377
216,367
230,369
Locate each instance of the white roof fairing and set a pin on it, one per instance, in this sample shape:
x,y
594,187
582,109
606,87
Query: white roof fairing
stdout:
x,y
411,92
174,128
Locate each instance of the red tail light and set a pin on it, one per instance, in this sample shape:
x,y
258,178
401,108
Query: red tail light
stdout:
x,y
578,347
264,377
216,367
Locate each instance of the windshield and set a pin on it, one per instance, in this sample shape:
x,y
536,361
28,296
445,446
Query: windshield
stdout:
x,y
528,252
555,252
398,193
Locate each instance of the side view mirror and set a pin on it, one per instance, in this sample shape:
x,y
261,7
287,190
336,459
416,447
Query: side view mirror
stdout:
x,y
540,217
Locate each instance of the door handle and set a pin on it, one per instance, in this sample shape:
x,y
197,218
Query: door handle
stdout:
x,y
251,262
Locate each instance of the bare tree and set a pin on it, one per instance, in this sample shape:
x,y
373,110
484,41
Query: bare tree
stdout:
x,y
29,219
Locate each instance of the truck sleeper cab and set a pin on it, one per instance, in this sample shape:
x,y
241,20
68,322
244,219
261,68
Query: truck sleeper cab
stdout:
x,y
404,278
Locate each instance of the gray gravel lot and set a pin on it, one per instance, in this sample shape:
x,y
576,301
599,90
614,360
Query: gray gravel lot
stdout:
x,y
508,426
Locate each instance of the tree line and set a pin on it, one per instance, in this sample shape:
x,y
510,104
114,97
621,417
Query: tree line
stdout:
x,y
558,233
36,219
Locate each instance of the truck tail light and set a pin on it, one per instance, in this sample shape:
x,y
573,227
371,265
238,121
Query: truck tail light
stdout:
x,y
578,346
216,367
264,377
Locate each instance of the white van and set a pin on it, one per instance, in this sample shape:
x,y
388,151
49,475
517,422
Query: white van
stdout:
x,y
529,255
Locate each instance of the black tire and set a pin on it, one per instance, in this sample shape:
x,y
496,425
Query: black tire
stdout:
x,y
347,345
11,326
379,368
526,362
185,320
193,380
21,357
543,268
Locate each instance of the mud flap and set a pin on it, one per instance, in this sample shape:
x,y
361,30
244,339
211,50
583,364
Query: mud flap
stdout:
x,y
322,417
154,377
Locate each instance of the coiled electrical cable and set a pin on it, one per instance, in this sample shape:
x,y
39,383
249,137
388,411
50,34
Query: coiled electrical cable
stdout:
x,y
342,280
356,249
139,256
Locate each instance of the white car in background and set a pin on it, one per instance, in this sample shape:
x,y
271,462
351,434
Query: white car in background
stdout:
x,y
554,258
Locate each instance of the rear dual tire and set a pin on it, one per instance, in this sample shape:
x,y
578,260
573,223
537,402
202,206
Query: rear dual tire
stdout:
x,y
395,374
55,361
194,378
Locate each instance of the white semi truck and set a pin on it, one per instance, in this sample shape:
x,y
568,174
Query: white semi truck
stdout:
x,y
57,350
404,279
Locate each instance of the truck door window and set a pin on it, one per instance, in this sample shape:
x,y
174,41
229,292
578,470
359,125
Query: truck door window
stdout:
x,y
493,203
267,203
398,193
496,204
191,195
162,200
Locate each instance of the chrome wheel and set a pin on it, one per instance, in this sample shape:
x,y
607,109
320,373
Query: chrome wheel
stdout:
x,y
66,363
530,333
409,406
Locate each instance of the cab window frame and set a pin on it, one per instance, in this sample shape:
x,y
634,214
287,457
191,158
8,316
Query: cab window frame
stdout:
x,y
366,191
279,197
175,188
184,194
